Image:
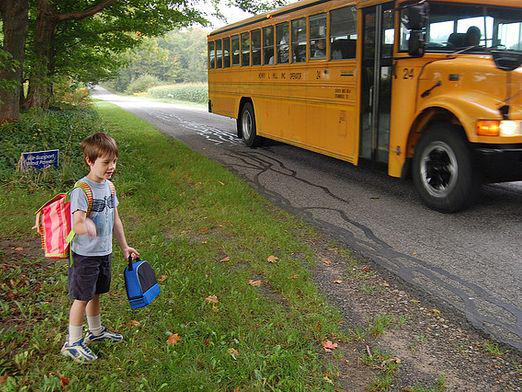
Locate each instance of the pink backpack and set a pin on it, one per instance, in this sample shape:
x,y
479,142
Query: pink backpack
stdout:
x,y
53,222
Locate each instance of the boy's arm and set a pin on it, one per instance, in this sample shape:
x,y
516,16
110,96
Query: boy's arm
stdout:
x,y
83,225
120,237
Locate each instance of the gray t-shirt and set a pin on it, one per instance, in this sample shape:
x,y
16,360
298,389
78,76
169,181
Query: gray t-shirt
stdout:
x,y
102,214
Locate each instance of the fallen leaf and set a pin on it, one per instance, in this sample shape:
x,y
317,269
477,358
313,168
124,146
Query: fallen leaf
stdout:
x,y
255,283
338,281
19,249
366,269
225,259
295,276
327,262
64,381
135,323
162,278
236,389
436,312
272,259
206,342
212,299
233,352
328,380
329,346
173,339
204,230
3,379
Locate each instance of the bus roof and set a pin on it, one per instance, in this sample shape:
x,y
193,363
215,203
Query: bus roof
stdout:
x,y
300,4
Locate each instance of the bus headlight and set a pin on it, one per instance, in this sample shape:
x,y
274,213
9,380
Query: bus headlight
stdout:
x,y
505,128
510,128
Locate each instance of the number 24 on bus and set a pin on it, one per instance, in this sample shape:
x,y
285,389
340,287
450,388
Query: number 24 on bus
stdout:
x,y
431,89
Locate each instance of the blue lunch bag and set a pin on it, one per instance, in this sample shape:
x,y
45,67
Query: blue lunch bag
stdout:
x,y
140,283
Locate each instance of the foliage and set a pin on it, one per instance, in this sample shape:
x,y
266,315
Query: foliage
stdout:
x,y
192,92
142,84
68,93
179,56
38,130
184,213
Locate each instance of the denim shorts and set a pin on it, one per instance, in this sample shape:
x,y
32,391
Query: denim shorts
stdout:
x,y
88,276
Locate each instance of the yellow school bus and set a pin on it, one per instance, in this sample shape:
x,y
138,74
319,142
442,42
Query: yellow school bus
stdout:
x,y
430,89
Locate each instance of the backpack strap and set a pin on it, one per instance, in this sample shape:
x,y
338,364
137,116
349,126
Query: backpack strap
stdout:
x,y
113,189
88,193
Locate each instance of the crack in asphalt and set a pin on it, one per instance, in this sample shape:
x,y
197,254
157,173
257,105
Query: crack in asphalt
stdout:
x,y
385,255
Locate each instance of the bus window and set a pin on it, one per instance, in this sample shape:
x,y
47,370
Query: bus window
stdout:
x,y
211,59
235,50
318,36
268,45
226,52
256,47
282,43
389,34
245,49
219,54
299,40
343,33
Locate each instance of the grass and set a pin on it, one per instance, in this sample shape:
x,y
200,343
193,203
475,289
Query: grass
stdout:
x,y
493,349
438,386
380,324
388,366
185,214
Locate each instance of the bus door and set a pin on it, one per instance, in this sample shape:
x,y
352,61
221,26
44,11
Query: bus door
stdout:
x,y
377,65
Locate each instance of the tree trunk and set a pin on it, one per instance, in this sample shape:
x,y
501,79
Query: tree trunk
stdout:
x,y
47,19
15,22
39,95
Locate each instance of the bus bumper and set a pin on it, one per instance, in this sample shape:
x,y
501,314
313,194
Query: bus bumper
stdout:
x,y
501,162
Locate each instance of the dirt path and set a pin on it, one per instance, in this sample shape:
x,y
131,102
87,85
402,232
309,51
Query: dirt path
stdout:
x,y
399,340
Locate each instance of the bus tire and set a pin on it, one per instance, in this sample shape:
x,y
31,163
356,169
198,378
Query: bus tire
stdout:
x,y
247,122
443,171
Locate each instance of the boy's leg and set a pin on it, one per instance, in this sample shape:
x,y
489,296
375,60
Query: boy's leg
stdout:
x,y
93,315
76,316
74,347
97,331
81,281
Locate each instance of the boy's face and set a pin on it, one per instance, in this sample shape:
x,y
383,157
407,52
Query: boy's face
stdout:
x,y
102,168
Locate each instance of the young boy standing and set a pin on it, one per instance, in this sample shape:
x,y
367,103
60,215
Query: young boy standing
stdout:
x,y
90,272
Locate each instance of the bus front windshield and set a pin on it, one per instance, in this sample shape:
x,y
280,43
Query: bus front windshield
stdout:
x,y
453,27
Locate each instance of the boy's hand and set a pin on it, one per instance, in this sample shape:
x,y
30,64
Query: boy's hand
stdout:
x,y
128,251
90,227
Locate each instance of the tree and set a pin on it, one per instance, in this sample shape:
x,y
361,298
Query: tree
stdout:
x,y
14,15
47,19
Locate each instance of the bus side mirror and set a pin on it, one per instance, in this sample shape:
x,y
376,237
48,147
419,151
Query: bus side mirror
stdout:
x,y
415,19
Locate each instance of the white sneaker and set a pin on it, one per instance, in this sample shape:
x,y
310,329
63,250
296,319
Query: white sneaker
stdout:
x,y
104,335
78,351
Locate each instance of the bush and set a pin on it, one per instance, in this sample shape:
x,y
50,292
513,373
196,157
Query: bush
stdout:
x,y
192,92
46,130
142,84
68,93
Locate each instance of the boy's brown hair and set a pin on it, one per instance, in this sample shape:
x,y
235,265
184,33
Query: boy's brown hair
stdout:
x,y
98,145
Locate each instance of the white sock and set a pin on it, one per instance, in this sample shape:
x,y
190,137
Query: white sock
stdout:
x,y
75,333
94,324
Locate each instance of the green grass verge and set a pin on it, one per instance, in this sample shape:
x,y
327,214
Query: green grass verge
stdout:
x,y
187,215
193,92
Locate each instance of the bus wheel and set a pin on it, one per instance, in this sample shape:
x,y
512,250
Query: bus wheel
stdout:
x,y
248,125
443,171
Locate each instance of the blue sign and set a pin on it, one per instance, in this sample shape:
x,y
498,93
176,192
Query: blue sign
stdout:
x,y
39,160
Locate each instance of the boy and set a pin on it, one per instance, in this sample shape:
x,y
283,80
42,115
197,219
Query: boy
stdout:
x,y
90,272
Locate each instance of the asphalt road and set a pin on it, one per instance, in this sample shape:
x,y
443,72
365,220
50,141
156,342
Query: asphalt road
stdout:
x,y
469,262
